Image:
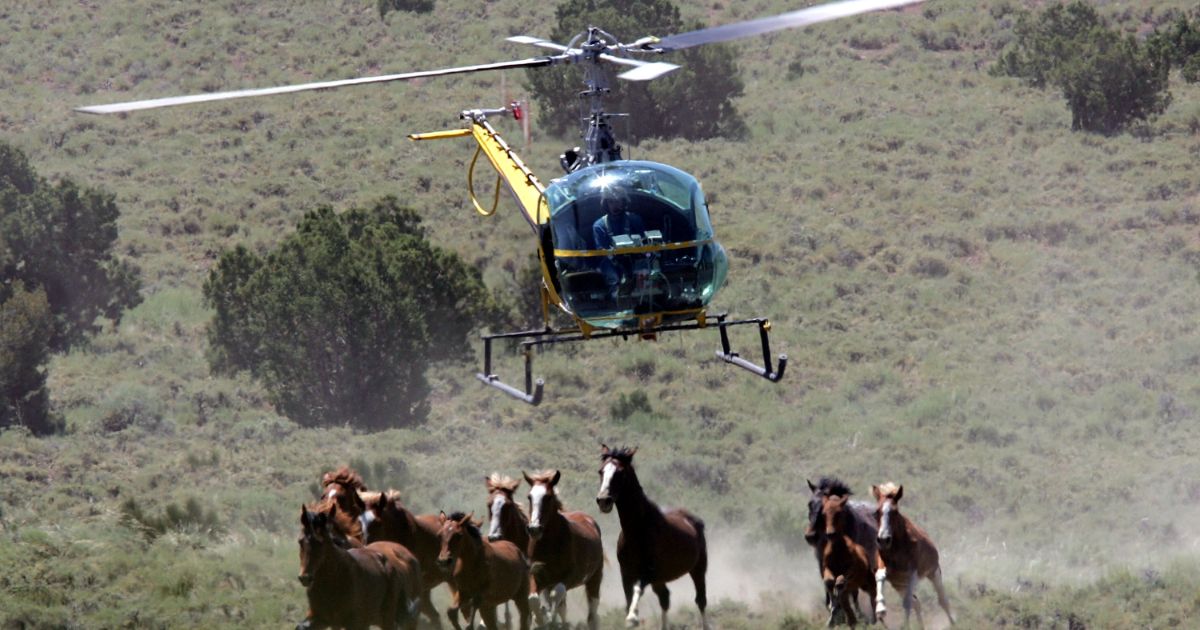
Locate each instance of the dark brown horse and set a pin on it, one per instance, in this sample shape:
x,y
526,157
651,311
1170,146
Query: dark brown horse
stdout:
x,y
906,554
386,518
357,587
483,574
342,489
862,527
655,546
846,566
565,549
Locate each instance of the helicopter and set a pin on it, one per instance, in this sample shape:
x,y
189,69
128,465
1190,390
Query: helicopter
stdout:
x,y
626,248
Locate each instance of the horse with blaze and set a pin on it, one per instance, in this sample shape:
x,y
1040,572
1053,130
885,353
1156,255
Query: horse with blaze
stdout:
x,y
355,587
386,518
655,546
906,554
508,520
564,547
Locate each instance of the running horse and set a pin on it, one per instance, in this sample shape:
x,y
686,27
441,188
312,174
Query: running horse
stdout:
x,y
508,520
386,518
655,546
564,548
482,574
863,530
906,554
846,566
353,588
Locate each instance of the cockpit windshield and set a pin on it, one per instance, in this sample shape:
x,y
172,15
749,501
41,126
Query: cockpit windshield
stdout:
x,y
632,238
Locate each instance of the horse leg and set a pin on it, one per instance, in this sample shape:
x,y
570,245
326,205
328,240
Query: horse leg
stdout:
x,y
523,612
488,615
880,577
664,601
559,606
699,577
592,588
452,610
830,601
843,597
633,592
941,593
910,599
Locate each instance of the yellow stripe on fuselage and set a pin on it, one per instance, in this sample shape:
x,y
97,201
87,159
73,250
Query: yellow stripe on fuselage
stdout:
x,y
589,253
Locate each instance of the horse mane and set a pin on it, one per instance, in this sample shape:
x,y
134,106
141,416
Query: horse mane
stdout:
x,y
392,495
471,526
502,482
623,453
832,486
369,496
344,476
888,488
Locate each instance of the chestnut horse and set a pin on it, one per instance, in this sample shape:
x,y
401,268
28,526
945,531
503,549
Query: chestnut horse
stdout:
x,y
483,574
863,530
906,554
655,546
565,549
508,518
342,488
846,566
386,518
358,587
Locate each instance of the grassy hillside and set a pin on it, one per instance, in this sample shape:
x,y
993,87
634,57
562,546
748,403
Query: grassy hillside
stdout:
x,y
979,304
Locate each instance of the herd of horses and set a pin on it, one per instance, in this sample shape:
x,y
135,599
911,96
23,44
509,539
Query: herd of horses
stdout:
x,y
366,560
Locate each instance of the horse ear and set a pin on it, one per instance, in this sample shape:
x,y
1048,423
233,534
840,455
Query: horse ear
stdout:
x,y
304,517
899,493
468,518
557,476
811,487
875,492
326,478
632,452
604,450
528,480
441,517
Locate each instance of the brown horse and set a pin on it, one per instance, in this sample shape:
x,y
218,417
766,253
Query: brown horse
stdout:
x,y
386,518
655,546
565,550
906,554
357,587
862,527
483,574
508,520
846,566
342,489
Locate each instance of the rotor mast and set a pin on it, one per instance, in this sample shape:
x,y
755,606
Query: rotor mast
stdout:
x,y
599,141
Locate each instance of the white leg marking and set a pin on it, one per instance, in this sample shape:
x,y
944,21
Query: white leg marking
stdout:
x,y
633,605
665,625
880,578
535,604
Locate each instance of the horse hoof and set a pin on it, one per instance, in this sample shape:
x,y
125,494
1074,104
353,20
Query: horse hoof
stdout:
x,y
632,622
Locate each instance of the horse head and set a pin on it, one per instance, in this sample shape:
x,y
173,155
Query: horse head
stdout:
x,y
834,513
500,494
542,498
616,473
887,497
455,529
315,536
341,490
826,486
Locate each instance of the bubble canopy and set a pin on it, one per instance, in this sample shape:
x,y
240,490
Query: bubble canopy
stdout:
x,y
632,240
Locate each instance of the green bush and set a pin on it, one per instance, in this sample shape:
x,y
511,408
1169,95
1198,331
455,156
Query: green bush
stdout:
x,y
25,326
1108,79
341,320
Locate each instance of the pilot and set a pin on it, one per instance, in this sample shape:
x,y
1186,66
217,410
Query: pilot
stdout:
x,y
616,220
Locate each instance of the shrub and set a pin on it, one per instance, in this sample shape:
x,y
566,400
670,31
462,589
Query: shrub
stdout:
x,y
341,321
1108,79
414,6
25,326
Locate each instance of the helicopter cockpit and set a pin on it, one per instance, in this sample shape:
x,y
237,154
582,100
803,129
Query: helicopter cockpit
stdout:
x,y
633,240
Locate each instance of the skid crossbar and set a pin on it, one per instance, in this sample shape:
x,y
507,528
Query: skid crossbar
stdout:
x,y
532,393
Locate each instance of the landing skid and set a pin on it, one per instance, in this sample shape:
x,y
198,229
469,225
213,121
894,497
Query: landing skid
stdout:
x,y
549,336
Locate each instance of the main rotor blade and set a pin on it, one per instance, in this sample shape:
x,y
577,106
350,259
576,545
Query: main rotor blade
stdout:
x,y
324,85
793,19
